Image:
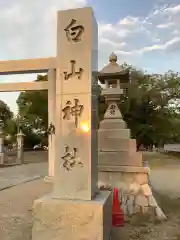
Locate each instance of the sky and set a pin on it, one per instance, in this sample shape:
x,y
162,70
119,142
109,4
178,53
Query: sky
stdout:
x,y
144,33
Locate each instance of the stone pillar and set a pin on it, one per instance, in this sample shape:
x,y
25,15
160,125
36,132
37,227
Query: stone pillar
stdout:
x,y
20,147
76,209
76,106
51,121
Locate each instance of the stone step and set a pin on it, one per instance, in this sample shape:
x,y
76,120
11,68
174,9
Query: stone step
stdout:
x,y
128,169
119,159
114,133
116,145
133,147
112,124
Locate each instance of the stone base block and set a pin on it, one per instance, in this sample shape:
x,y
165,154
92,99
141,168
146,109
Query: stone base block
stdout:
x,y
57,219
134,191
122,176
114,133
112,124
117,144
124,169
120,159
132,147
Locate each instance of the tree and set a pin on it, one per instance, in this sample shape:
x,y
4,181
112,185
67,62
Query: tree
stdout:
x,y
33,110
148,107
11,127
5,113
33,107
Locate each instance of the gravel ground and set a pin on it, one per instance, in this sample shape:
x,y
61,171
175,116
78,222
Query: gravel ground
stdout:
x,y
16,204
167,181
16,209
148,228
164,176
16,216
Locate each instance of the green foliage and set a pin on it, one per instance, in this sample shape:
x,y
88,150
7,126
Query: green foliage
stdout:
x,y
11,129
5,114
33,110
31,138
33,107
149,107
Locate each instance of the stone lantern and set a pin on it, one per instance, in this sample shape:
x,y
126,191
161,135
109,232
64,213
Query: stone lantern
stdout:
x,y
20,147
119,163
1,143
115,145
20,140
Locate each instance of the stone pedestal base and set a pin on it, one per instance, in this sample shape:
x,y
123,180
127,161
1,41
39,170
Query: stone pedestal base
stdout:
x,y
134,191
57,219
122,176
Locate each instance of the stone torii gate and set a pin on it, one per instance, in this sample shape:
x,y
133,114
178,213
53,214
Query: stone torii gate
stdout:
x,y
39,65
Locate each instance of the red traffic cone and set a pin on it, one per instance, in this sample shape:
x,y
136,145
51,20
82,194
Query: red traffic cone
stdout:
x,y
117,212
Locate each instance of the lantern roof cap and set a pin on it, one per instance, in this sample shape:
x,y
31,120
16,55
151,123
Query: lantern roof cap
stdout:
x,y
113,66
113,70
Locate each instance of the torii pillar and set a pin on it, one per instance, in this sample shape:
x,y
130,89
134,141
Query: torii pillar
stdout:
x,y
51,120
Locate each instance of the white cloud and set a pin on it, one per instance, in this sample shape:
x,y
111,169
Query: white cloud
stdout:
x,y
129,21
22,37
166,10
111,43
171,45
152,48
125,53
165,25
156,40
159,31
173,10
105,28
28,30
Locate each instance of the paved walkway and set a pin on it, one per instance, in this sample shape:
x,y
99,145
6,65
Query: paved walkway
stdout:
x,y
16,175
165,180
